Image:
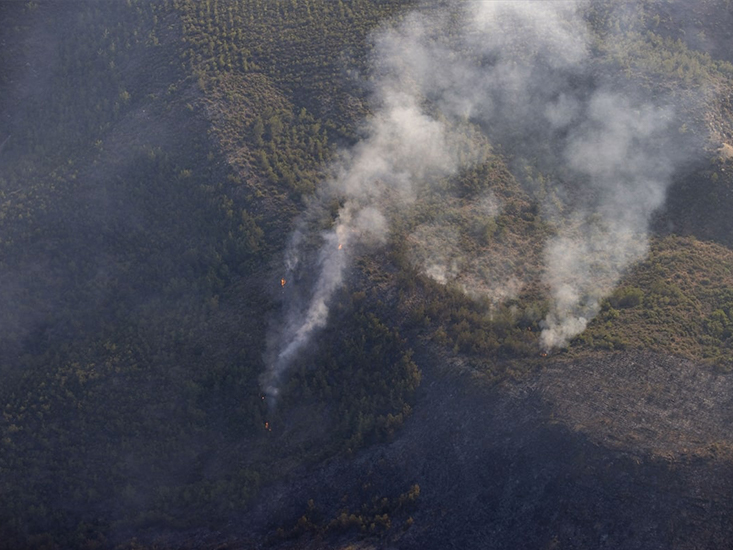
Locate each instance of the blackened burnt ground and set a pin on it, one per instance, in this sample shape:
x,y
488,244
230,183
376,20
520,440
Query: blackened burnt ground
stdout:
x,y
625,450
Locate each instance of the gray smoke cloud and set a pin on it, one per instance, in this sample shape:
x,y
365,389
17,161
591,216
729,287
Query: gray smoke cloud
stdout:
x,y
524,74
402,148
610,150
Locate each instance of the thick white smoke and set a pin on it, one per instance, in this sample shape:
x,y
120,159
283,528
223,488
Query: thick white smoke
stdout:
x,y
588,256
403,146
524,73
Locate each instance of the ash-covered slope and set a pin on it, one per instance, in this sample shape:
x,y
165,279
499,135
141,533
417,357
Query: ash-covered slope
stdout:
x,y
627,450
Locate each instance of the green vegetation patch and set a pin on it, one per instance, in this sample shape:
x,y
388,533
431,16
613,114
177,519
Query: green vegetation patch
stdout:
x,y
677,301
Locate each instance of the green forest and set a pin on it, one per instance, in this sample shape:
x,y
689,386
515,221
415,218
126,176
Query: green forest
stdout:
x,y
155,157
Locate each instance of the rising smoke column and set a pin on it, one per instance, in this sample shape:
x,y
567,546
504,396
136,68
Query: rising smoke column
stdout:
x,y
617,151
524,73
607,146
403,146
533,85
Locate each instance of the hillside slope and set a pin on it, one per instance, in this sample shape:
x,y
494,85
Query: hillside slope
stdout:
x,y
155,158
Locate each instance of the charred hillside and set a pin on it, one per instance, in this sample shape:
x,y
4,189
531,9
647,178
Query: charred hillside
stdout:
x,y
367,274
535,465
525,465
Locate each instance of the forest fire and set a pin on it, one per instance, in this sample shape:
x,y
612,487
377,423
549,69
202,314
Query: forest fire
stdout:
x,y
340,246
543,354
267,427
282,282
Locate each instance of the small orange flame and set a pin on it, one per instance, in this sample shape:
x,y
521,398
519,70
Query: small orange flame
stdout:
x,y
282,282
267,425
543,354
340,246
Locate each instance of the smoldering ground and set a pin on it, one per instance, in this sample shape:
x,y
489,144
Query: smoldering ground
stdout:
x,y
527,76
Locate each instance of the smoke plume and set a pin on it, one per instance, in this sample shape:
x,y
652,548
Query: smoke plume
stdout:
x,y
525,75
403,146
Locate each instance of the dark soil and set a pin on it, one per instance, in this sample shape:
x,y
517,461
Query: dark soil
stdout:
x,y
623,451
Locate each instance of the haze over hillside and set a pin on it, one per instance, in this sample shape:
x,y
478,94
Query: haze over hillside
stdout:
x,y
366,274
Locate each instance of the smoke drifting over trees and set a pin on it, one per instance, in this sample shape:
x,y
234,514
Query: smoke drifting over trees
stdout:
x,y
524,73
457,187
